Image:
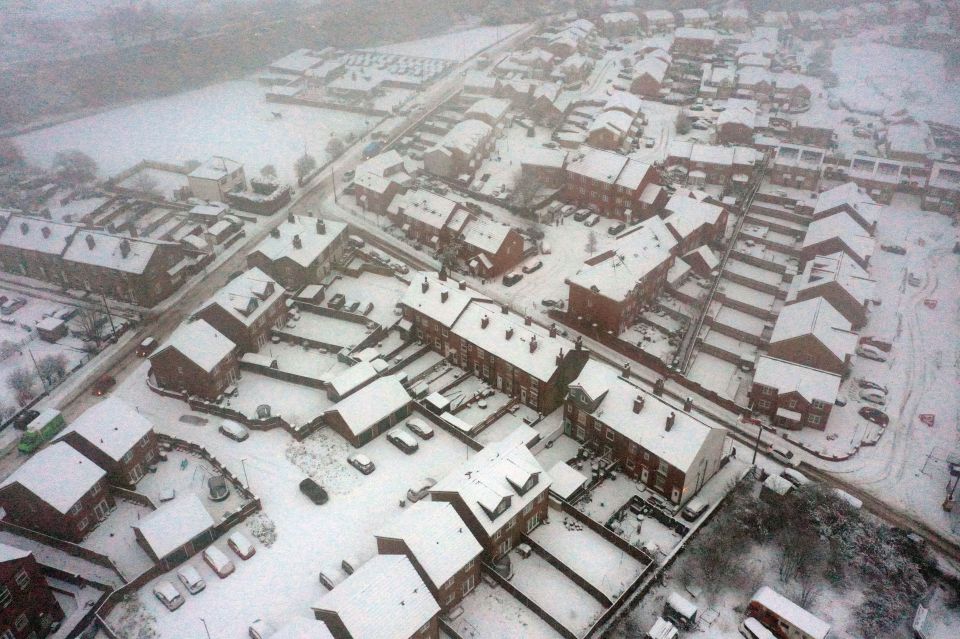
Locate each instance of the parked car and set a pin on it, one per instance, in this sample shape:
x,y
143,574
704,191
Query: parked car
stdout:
x,y
862,132
567,210
218,561
914,280
549,303
874,415
356,241
260,629
241,546
866,383
168,594
147,346
218,488
795,477
191,579
420,491
361,462
103,384
314,491
400,269
330,576
235,431
884,345
694,508
24,418
616,229
782,454
593,220
581,215
420,428
873,396
700,125
531,265
893,248
512,278
403,440
868,352
11,306
348,175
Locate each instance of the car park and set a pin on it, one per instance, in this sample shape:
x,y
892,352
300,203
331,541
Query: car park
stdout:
x,y
260,629
147,346
616,229
234,430
241,546
874,415
361,462
314,491
420,491
512,278
694,508
103,384
218,488
873,396
868,352
191,579
168,594
403,440
218,561
531,265
420,428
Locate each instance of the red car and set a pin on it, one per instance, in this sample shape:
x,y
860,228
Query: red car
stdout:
x,y
103,384
876,342
874,415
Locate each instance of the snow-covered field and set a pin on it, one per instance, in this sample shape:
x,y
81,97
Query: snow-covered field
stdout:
x,y
231,119
875,76
456,46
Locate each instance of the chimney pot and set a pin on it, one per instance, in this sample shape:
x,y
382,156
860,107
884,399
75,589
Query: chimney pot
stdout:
x,y
484,321
560,357
688,403
297,242
290,217
626,369
505,309
321,227
443,274
424,285
553,330
672,417
533,344
528,320
509,332
90,242
638,403
444,295
462,285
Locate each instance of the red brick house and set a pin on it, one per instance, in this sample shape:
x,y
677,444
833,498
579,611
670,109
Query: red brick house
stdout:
x,y
649,75
115,436
27,605
850,199
385,598
490,248
611,183
814,334
838,279
500,492
942,192
58,492
655,20
461,150
543,166
378,180
33,247
737,122
662,446
838,233
300,251
607,294
370,411
797,166
793,395
693,42
196,359
439,545
693,221
756,83
246,310
428,218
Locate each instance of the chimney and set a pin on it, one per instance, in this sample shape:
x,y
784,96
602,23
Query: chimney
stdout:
x,y
90,242
658,387
297,243
553,330
626,370
424,285
533,344
505,309
462,285
443,274
45,231
672,417
687,404
24,228
290,218
579,343
560,357
443,296
527,321
484,321
124,248
638,402
321,227
509,333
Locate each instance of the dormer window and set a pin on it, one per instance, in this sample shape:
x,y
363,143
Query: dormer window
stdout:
x,y
522,484
494,511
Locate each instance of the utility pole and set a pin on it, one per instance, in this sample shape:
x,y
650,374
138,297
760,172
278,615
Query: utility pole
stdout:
x,y
33,359
756,445
106,307
333,184
207,630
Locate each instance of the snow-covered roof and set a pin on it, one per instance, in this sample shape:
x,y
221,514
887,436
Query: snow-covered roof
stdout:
x,y
384,599
911,137
130,255
706,256
752,76
508,337
538,156
658,15
787,377
839,268
174,524
12,553
843,227
350,379
566,480
424,206
200,343
437,538
485,234
215,168
58,475
209,209
739,112
848,195
653,66
281,244
443,301
246,297
624,101
712,154
692,33
633,257
373,402
494,477
945,175
808,623
608,167
816,317
298,61
383,164
493,108
466,136
35,234
687,214
695,14
619,17
679,446
112,425
616,122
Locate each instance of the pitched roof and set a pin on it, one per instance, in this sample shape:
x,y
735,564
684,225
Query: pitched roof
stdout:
x,y
443,301
246,297
373,402
130,255
12,553
312,243
486,235
384,599
58,475
839,268
424,206
788,377
36,234
849,194
174,523
112,425
215,167
808,623
818,318
843,227
200,343
437,538
466,136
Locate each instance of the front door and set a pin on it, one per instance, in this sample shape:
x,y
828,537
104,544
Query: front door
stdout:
x,y
523,395
101,510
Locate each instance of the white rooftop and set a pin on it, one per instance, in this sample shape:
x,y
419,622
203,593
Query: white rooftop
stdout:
x,y
174,523
816,317
201,343
848,195
348,380
843,227
425,206
130,255
485,234
566,480
35,234
839,268
373,402
312,242
808,623
788,377
12,553
112,425
58,475
442,300
246,297
215,168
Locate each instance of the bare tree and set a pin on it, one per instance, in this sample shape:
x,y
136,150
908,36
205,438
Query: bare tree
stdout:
x,y
146,184
683,123
591,242
75,166
52,368
22,382
335,147
91,323
304,165
268,171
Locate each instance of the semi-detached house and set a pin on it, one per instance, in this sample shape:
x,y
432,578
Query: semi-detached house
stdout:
x,y
246,309
793,395
197,359
813,333
300,251
838,279
29,607
611,183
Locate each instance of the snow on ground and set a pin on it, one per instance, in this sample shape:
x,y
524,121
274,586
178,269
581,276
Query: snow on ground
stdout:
x,y
327,330
492,613
907,468
231,119
606,498
114,538
166,182
297,404
591,556
384,292
872,77
302,360
456,46
553,591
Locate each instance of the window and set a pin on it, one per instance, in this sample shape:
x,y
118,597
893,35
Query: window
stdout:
x,y
21,622
646,456
792,403
630,464
767,390
763,404
144,441
818,404
128,456
633,448
83,524
5,597
814,419
96,487
609,435
76,508
22,579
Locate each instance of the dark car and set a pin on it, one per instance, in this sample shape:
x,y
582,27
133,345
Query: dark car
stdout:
x,y
337,301
581,215
314,491
103,384
24,418
893,248
866,383
874,415
511,278
884,345
147,346
616,229
549,303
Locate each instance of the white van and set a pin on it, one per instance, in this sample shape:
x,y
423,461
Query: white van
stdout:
x,y
795,477
593,220
531,265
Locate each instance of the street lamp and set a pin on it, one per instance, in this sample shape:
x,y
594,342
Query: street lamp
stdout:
x,y
243,464
207,630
